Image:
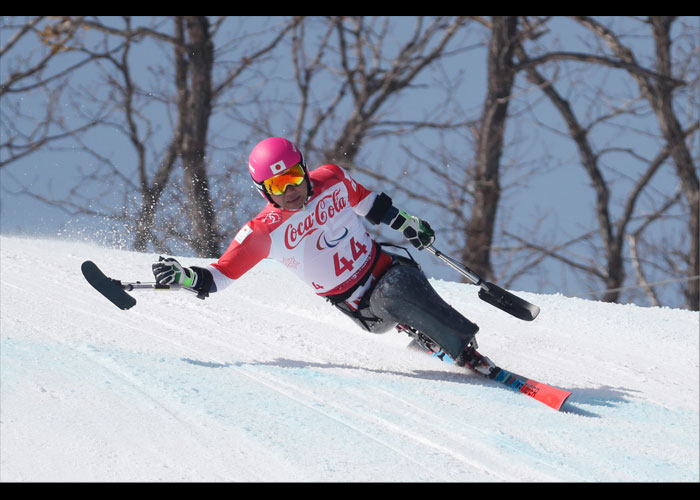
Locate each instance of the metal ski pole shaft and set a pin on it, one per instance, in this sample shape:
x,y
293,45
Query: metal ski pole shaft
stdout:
x,y
138,285
457,266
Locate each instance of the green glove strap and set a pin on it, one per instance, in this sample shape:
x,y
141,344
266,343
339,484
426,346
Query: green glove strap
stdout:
x,y
189,278
404,219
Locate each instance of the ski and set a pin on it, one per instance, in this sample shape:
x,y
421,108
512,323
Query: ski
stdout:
x,y
552,396
111,289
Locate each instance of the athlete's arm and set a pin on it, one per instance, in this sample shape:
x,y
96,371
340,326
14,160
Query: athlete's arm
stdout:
x,y
417,231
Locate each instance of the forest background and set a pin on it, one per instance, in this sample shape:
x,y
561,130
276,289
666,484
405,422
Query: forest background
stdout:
x,y
550,154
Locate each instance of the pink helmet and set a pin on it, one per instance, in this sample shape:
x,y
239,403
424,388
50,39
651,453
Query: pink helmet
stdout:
x,y
271,157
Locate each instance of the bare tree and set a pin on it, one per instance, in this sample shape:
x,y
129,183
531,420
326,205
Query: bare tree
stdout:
x,y
199,49
194,98
501,72
615,233
659,93
41,71
367,74
370,84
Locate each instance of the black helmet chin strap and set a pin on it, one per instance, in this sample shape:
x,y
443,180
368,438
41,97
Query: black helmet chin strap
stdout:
x,y
309,187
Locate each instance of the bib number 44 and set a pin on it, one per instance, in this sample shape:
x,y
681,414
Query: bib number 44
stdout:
x,y
343,263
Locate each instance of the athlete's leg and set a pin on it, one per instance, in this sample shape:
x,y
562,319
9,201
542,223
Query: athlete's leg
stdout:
x,y
404,295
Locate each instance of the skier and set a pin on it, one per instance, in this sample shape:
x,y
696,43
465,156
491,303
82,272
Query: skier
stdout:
x,y
313,225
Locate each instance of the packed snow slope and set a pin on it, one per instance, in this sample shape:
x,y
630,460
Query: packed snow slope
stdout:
x,y
267,382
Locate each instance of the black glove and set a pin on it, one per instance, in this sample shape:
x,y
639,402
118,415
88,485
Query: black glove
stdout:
x,y
417,231
169,271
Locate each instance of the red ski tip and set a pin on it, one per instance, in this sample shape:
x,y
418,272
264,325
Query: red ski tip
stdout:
x,y
553,397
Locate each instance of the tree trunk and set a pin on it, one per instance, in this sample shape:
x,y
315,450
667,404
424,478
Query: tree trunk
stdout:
x,y
662,102
501,74
659,94
200,51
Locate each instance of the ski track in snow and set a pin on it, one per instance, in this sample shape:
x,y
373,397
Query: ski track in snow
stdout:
x,y
266,382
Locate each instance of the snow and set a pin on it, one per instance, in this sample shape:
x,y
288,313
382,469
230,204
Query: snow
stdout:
x,y
265,382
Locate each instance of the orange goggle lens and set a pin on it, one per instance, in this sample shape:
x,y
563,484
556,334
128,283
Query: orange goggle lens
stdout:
x,y
278,184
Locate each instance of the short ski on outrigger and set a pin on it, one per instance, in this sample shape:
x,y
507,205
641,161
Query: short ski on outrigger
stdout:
x,y
553,397
116,291
489,292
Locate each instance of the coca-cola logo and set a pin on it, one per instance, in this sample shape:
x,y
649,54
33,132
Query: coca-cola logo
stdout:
x,y
326,208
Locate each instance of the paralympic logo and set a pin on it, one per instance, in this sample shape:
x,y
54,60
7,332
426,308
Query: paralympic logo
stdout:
x,y
330,244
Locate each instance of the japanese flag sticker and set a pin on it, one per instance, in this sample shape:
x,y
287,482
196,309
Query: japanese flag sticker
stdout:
x,y
243,234
278,167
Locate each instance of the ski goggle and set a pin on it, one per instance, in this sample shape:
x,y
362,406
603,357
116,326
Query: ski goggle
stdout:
x,y
293,176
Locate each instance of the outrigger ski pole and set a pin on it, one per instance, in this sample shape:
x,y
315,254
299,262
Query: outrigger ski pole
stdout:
x,y
493,294
115,290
